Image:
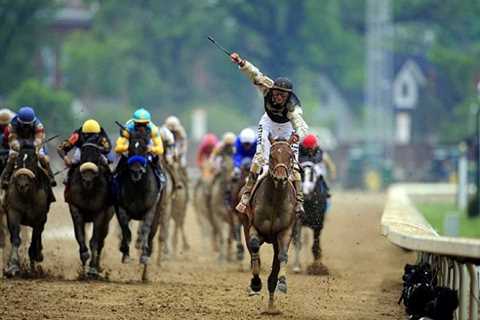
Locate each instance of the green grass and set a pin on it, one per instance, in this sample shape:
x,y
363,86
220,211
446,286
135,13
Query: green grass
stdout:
x,y
435,213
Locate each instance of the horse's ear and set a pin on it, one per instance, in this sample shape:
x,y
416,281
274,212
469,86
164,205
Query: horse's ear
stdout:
x,y
270,138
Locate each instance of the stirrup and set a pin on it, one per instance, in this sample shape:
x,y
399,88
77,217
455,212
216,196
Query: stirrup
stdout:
x,y
243,203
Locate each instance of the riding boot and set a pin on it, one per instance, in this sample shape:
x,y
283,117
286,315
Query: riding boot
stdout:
x,y
7,172
46,165
247,190
297,182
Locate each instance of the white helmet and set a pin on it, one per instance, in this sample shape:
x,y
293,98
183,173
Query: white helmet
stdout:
x,y
247,135
6,116
229,138
172,123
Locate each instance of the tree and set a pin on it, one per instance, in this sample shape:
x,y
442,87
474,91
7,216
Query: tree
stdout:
x,y
53,107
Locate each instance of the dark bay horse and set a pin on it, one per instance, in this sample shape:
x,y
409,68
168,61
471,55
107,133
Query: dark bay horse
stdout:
x,y
271,218
27,203
138,198
316,204
89,199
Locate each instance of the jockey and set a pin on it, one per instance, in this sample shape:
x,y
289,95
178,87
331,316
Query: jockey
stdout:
x,y
6,116
204,151
224,148
245,148
168,140
173,124
89,132
311,151
25,126
141,121
282,117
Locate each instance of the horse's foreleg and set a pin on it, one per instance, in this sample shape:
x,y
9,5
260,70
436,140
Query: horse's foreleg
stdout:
x,y
123,220
100,231
13,222
148,231
253,243
297,242
35,250
79,228
273,279
283,240
316,249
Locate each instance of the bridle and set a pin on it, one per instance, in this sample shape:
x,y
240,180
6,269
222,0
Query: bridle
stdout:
x,y
288,168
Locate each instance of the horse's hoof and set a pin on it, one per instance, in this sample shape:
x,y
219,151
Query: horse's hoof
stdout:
x,y
92,272
252,293
145,274
12,270
282,285
126,259
297,269
256,284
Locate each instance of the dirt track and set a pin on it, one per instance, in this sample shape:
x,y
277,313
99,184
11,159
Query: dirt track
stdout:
x,y
364,282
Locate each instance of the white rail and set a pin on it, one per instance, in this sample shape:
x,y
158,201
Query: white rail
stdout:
x,y
455,259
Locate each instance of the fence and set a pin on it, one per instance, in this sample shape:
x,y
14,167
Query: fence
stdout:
x,y
454,259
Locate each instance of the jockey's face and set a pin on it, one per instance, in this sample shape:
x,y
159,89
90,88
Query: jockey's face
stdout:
x,y
246,145
140,126
279,97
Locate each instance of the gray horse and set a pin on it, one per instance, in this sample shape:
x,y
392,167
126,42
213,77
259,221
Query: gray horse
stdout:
x,y
89,198
27,203
138,198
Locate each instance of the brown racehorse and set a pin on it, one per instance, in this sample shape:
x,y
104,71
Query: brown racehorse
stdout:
x,y
271,219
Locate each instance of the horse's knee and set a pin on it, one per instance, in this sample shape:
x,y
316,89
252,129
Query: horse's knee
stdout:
x,y
254,245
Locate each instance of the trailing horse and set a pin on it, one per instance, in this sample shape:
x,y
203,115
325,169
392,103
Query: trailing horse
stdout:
x,y
89,198
237,185
316,204
138,198
271,218
178,209
27,203
220,207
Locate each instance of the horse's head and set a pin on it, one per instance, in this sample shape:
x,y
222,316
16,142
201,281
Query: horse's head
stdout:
x,y
138,143
90,160
281,159
137,167
26,167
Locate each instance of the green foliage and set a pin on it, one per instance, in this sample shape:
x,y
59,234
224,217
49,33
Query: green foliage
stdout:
x,y
51,106
21,24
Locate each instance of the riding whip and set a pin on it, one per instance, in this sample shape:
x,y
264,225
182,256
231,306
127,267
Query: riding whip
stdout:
x,y
228,53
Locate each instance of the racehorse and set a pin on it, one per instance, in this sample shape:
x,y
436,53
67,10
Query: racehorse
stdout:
x,y
271,218
220,207
179,209
3,161
89,200
238,183
139,193
316,204
27,203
